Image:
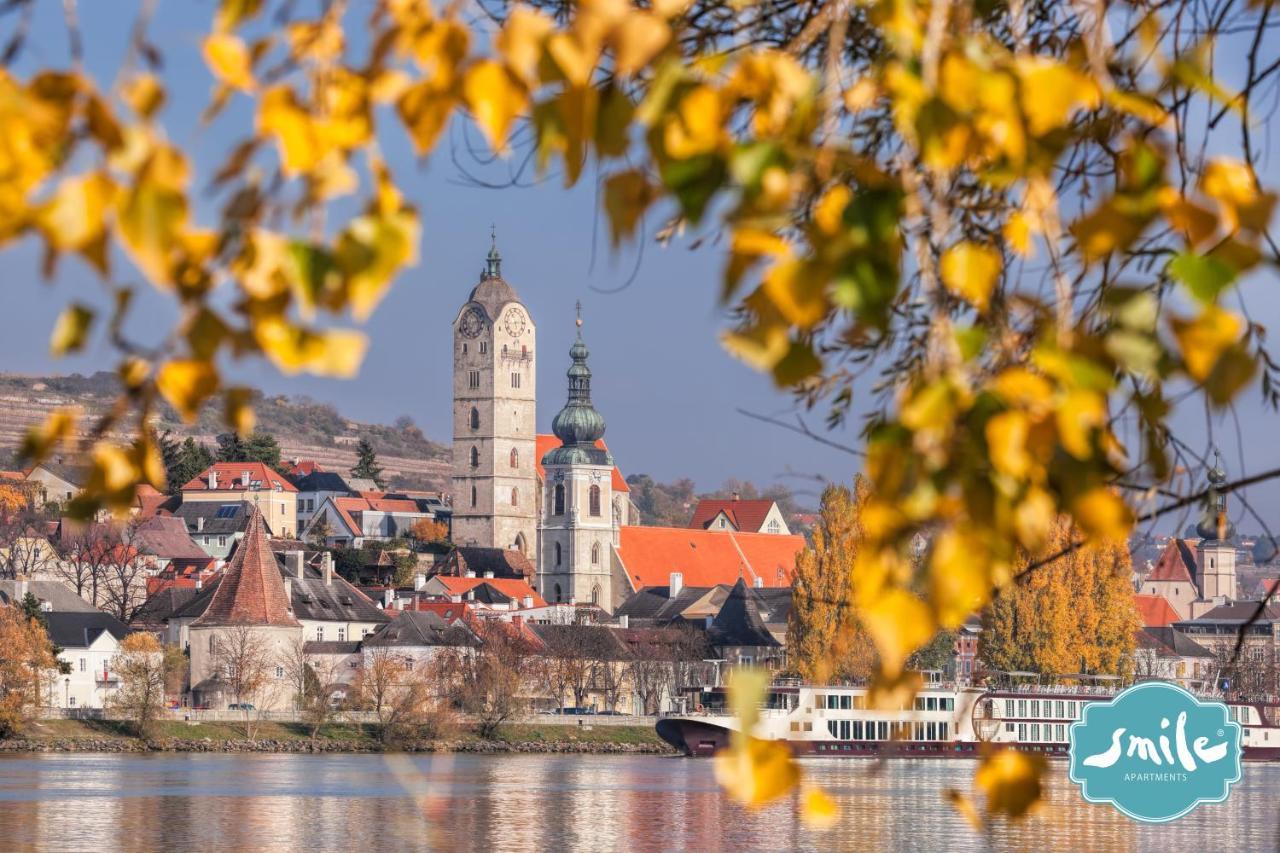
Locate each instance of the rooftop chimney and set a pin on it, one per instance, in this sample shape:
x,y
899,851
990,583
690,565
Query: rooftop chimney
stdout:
x,y
624,621
199,584
488,574
469,574
244,479
737,496
199,523
213,478
526,602
294,564
517,621
419,581
675,584
288,591
399,604
326,568
758,583
388,596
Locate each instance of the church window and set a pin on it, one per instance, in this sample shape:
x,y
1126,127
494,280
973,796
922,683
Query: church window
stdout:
x,y
773,526
484,347
557,501
515,458
593,501
515,380
558,595
473,495
595,594
595,554
558,555
473,379
475,457
464,349
475,418
515,497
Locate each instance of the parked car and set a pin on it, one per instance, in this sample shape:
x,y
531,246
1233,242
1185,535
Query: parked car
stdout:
x,y
577,712
241,706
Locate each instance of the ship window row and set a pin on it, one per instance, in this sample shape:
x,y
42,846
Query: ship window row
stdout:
x,y
1031,732
935,703
797,726
1052,708
838,702
884,730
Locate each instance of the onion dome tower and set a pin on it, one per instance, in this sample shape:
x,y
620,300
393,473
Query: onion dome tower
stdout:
x,y
579,527
1216,553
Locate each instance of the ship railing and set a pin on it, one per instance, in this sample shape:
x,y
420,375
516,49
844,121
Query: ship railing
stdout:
x,y
1057,689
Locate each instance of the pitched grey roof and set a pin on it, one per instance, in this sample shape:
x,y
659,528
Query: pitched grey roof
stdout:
x,y
413,628
738,623
330,647
654,604
61,598
503,562
322,481
167,537
157,609
219,518
597,642
1178,643
79,630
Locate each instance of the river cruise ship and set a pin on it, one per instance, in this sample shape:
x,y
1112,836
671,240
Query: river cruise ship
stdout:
x,y
945,721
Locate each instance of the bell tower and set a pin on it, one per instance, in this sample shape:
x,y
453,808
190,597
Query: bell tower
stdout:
x,y
579,524
1215,553
495,484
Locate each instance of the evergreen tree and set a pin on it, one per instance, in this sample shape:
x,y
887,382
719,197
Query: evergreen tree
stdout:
x,y
231,448
190,459
367,467
258,447
824,637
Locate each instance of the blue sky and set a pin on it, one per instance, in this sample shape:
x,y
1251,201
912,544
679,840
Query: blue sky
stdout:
x,y
668,391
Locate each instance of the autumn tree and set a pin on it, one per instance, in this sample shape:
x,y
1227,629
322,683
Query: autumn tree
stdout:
x,y
245,663
25,668
311,678
12,501
141,667
824,637
367,467
429,530
319,530
1073,615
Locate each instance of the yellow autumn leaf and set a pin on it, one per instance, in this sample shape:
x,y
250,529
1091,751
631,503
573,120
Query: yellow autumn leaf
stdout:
x,y
148,462
818,810
1006,435
1204,339
1233,185
144,94
186,384
425,110
1010,781
496,97
1017,233
828,211
797,292
1051,92
898,623
637,40
970,270
282,117
336,352
372,251
755,772
696,128
76,216
965,806
1033,518
522,38
238,410
152,215
228,59
71,329
1078,414
1103,514
959,576
861,95
58,429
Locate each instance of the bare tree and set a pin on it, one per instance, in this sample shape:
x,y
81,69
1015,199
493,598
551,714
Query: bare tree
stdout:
x,y
488,682
311,680
140,665
24,550
243,658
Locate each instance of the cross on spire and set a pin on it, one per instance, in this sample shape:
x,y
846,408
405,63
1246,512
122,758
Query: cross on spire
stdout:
x,y
578,307
493,263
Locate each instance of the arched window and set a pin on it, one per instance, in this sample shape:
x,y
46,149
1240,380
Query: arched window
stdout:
x,y
475,418
515,496
473,495
594,501
595,594
475,457
520,543
515,458
557,553
557,501
595,554
558,595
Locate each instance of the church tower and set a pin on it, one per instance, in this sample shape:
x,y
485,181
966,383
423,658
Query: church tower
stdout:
x,y
495,481
579,524
1215,553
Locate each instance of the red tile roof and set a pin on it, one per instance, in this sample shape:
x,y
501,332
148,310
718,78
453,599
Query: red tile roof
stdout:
x,y
229,478
251,591
510,587
1177,563
149,501
1155,611
706,558
747,516
303,467
547,443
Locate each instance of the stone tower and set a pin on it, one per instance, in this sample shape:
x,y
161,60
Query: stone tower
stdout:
x,y
579,525
495,480
1215,553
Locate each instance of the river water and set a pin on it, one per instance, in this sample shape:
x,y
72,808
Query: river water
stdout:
x,y
554,803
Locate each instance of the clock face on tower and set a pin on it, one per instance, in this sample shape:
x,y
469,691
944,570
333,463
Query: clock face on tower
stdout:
x,y
514,324
472,324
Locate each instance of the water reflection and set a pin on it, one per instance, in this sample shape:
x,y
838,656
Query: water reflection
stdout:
x,y
552,802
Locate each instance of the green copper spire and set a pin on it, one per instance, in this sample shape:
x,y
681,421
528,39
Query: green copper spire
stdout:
x,y
578,425
493,261
1214,524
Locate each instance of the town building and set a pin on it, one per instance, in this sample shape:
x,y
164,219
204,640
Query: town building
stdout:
x,y
216,527
745,516
355,521
89,641
315,486
230,482
495,502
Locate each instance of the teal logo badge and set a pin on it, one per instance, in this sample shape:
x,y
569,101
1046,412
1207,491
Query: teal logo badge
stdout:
x,y
1155,752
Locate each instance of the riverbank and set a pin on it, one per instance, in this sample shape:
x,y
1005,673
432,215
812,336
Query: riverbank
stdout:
x,y
170,736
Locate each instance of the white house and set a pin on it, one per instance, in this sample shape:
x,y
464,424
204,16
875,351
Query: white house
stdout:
x,y
90,641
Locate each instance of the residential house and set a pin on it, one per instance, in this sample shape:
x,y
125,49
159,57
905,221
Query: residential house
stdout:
x,y
739,634
485,593
30,555
1169,654
1155,611
736,514
52,595
1218,629
416,638
356,521
316,486
473,561
164,543
54,481
228,482
216,527
90,641
588,667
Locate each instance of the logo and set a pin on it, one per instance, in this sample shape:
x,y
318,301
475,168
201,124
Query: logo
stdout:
x,y
1155,752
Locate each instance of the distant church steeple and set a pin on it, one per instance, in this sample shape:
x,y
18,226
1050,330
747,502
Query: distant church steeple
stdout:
x,y
493,261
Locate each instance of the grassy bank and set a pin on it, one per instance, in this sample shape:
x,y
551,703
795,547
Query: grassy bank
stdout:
x,y
335,737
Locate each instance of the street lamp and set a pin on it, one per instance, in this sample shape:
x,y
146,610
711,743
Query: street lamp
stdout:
x,y
67,682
